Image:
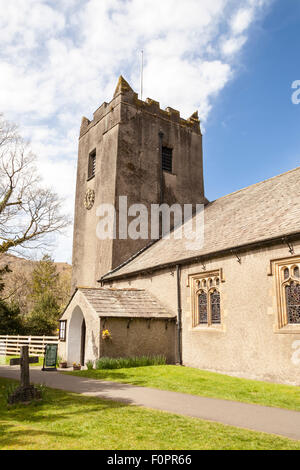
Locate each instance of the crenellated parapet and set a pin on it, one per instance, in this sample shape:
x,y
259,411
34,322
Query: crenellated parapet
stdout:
x,y
124,93
85,122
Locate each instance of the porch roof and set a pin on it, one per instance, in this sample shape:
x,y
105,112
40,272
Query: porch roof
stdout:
x,y
128,303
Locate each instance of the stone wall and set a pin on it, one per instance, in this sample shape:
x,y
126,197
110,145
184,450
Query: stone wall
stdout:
x,y
248,343
139,337
70,349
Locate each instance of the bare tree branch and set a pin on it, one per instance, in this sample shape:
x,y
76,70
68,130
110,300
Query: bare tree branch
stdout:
x,y
28,211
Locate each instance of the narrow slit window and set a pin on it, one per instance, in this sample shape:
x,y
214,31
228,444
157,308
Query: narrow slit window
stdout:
x,y
92,164
167,159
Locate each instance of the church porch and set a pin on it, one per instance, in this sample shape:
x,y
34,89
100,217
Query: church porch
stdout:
x,y
116,323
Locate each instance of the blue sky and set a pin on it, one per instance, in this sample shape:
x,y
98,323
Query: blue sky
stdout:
x,y
233,60
253,130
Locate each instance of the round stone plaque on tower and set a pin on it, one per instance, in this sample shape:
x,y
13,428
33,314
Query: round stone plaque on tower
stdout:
x,y
89,199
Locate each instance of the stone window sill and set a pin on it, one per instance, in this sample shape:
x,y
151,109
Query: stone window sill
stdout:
x,y
288,330
205,328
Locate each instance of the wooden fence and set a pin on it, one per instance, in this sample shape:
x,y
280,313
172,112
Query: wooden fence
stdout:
x,y
11,345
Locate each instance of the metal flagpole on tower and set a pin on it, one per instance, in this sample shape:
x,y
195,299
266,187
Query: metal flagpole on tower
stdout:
x,y
142,72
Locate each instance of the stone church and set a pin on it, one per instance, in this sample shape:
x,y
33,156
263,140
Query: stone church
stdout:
x,y
231,304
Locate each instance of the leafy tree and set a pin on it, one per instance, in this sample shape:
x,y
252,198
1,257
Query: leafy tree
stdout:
x,y
10,319
45,278
44,317
45,294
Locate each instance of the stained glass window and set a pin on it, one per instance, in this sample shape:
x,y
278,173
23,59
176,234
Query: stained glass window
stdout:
x,y
296,271
206,300
215,307
202,308
293,302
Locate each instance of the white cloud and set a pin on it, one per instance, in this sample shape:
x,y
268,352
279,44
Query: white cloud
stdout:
x,y
60,59
242,19
232,45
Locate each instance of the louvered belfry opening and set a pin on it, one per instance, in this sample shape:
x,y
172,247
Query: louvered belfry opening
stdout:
x,y
167,159
92,164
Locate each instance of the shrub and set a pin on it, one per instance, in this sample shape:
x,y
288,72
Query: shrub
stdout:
x,y
124,363
90,365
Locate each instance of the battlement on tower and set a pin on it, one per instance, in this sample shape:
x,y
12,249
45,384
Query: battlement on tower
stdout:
x,y
125,94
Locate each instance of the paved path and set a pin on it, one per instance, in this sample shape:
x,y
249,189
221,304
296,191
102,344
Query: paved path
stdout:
x,y
259,418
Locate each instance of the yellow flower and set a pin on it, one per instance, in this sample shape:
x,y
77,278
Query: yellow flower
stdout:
x,y
106,334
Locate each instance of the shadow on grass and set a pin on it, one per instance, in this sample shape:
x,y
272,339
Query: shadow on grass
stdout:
x,y
13,438
83,385
20,421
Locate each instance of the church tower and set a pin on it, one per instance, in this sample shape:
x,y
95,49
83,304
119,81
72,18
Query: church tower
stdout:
x,y
131,148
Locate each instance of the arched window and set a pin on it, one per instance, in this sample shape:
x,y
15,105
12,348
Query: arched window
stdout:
x,y
296,271
287,279
202,308
292,293
286,273
215,309
206,301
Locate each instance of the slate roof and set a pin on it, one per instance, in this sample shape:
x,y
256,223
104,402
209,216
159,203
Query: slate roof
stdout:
x,y
263,211
129,303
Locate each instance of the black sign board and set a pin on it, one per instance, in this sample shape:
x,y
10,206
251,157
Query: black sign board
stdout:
x,y
50,358
16,361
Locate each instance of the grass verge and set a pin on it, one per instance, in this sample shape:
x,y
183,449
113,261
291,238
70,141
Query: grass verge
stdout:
x,y
69,421
203,383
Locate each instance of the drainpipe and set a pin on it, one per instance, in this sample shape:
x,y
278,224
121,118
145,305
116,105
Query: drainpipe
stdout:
x,y
179,316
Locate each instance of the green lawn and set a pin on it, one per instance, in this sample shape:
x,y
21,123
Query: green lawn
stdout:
x,y
206,384
69,421
39,364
